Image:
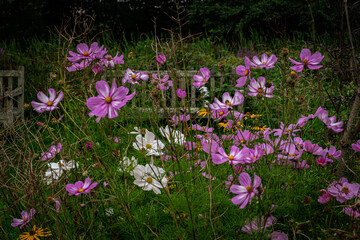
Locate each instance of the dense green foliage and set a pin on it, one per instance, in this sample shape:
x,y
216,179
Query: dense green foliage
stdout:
x,y
222,19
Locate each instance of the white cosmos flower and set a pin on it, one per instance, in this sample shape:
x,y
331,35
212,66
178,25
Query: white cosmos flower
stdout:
x,y
128,165
55,170
139,131
153,147
150,177
175,135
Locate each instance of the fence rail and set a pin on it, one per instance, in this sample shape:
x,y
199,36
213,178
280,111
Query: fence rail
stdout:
x,y
11,95
217,82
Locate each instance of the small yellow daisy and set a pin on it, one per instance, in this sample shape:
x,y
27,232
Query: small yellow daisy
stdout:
x,y
35,234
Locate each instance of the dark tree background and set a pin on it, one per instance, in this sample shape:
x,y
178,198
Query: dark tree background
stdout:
x,y
221,18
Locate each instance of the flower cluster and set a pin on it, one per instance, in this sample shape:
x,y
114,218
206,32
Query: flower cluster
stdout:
x,y
94,54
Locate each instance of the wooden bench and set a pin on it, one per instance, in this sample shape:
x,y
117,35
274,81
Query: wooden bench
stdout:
x,y
11,95
218,81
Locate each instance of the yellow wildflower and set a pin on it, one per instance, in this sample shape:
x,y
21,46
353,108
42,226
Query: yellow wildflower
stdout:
x,y
35,234
203,112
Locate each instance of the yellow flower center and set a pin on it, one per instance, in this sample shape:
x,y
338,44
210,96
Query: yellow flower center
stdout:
x,y
81,190
254,157
246,72
24,219
264,63
49,103
330,155
86,53
260,90
345,190
61,164
291,154
204,80
148,146
305,61
287,130
231,157
133,76
109,58
221,113
149,180
227,102
108,99
249,189
292,73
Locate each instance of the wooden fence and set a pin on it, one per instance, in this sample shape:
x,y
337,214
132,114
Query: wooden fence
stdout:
x,y
11,95
219,81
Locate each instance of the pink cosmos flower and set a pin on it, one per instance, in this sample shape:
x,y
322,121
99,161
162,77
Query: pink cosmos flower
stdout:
x,y
208,176
244,137
97,68
298,142
352,213
278,236
258,88
201,80
109,100
333,153
84,52
325,196
78,66
133,78
47,103
209,144
330,122
344,191
163,84
266,62
219,113
303,120
301,164
246,191
267,148
181,118
88,145
80,187
57,202
110,61
244,72
258,225
227,101
321,161
356,146
25,218
285,130
202,129
161,59
314,149
180,93
235,156
53,150
312,61
253,154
